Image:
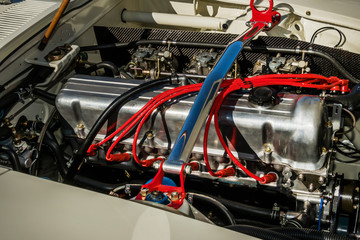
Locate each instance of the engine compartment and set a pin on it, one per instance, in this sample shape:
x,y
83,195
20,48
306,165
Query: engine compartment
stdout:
x,y
281,152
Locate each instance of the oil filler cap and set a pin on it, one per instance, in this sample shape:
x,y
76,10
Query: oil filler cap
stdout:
x,y
263,96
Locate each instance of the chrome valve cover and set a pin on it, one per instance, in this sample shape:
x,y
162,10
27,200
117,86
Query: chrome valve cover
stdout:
x,y
291,132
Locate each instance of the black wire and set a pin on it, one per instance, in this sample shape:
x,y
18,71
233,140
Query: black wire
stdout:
x,y
342,35
115,105
348,147
339,151
348,154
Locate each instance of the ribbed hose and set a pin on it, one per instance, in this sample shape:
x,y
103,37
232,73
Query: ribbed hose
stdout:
x,y
310,234
114,106
13,157
260,232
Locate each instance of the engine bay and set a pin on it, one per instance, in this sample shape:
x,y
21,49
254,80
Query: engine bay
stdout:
x,y
278,148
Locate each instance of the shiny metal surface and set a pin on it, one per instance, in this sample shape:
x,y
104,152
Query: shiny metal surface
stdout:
x,y
293,130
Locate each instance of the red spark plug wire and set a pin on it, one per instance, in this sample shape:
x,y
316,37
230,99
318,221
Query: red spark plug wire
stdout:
x,y
303,80
139,118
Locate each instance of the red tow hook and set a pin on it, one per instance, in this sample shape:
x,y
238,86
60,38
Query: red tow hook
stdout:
x,y
268,16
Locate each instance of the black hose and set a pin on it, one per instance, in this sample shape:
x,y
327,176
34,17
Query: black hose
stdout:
x,y
106,65
45,96
9,100
250,211
94,184
114,106
13,157
54,148
265,49
230,218
261,233
254,223
311,234
350,101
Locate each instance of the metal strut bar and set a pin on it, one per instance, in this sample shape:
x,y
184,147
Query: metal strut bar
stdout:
x,y
261,20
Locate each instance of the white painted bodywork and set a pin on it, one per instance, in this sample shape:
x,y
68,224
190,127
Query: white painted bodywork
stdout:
x,y
37,209
42,209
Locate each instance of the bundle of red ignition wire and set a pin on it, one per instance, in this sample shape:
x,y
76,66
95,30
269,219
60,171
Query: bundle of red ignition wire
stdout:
x,y
138,119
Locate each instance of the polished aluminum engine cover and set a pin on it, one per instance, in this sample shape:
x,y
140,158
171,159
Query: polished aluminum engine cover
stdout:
x,y
293,129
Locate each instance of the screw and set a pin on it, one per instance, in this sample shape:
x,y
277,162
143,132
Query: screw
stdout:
x,y
324,150
301,177
174,196
268,149
156,165
329,124
311,187
354,206
335,139
144,192
321,180
308,13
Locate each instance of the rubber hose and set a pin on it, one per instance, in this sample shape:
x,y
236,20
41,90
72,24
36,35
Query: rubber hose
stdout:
x,y
254,223
45,96
248,210
95,184
106,65
261,233
9,100
54,147
350,101
311,234
230,218
13,157
114,106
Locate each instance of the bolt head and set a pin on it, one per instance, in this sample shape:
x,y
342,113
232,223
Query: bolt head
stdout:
x,y
174,196
301,177
156,165
188,169
324,150
144,192
268,149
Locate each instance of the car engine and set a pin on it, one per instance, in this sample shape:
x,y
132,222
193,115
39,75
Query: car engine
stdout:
x,y
278,150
